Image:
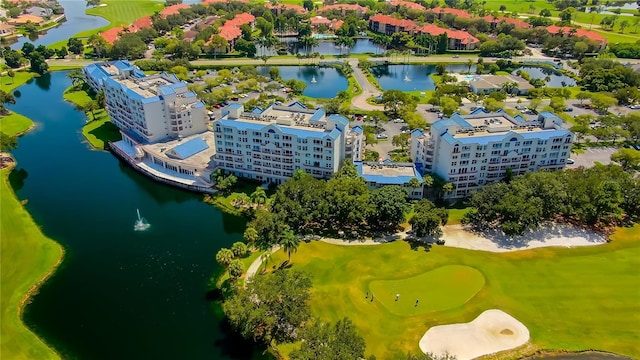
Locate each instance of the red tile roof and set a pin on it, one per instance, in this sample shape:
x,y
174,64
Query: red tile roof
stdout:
x,y
348,7
241,19
319,20
578,32
499,19
463,36
173,10
408,4
143,23
388,20
299,9
111,35
231,29
452,11
230,32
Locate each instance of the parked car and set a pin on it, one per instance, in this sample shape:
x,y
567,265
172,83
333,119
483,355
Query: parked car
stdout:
x,y
382,136
397,121
521,107
568,109
571,161
634,107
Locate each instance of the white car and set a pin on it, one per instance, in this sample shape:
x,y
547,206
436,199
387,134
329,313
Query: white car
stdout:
x,y
571,161
397,121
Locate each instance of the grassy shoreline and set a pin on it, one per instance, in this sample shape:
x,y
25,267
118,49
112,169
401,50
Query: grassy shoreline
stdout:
x,y
28,259
99,130
539,287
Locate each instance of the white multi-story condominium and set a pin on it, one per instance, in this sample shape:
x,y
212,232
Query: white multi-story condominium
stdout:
x,y
269,145
148,109
476,149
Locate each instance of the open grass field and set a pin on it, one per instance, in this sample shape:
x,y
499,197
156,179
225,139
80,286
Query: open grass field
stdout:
x,y
101,131
26,258
10,83
118,12
456,285
14,124
571,299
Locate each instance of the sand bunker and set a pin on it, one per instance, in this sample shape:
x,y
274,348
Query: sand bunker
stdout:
x,y
491,332
546,235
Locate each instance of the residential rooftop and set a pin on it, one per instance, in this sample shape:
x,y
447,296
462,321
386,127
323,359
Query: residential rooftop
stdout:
x,y
387,173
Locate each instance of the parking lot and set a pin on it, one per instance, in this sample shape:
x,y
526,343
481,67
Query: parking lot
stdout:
x,y
591,156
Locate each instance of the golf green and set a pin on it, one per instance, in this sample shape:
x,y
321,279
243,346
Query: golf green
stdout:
x,y
443,288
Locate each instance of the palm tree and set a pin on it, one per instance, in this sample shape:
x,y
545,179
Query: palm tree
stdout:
x,y
414,183
469,65
224,257
242,200
101,99
250,235
289,242
11,74
6,98
77,77
259,196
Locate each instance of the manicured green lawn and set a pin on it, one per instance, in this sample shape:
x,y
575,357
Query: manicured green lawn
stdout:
x,y
9,84
572,299
99,131
26,257
13,124
102,131
456,284
120,12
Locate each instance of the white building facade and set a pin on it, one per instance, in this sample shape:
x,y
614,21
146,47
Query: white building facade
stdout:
x,y
477,149
147,108
269,145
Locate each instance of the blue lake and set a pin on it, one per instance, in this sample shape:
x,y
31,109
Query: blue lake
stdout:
x,y
362,46
328,80
409,77
556,79
119,294
76,22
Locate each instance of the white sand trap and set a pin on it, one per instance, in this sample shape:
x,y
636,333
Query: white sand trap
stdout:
x,y
550,234
491,332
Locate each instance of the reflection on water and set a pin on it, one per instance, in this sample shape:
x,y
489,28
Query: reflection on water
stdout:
x,y
76,21
328,80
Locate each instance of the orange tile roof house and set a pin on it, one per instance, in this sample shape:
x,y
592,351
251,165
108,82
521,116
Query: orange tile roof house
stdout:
x,y
408,4
343,8
582,33
23,19
318,21
440,11
230,31
280,8
173,10
458,39
207,2
494,21
143,23
111,35
6,30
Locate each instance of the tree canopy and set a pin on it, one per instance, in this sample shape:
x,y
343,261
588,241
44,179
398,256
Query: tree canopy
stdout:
x,y
600,196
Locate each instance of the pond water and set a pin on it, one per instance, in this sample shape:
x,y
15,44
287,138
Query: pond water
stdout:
x,y
362,46
76,22
328,80
119,294
410,77
556,79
